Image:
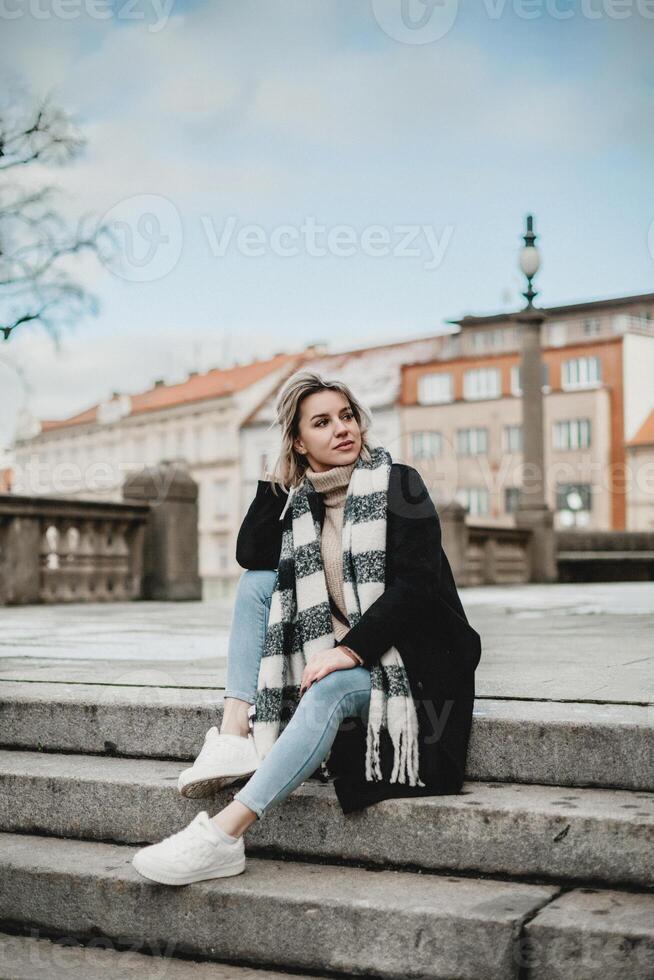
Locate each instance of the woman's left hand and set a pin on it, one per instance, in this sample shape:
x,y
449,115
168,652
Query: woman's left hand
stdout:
x,y
324,663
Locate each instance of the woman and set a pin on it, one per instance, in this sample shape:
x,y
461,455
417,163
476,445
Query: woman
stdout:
x,y
347,610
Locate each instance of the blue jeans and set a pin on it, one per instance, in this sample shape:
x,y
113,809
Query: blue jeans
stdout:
x,y
307,738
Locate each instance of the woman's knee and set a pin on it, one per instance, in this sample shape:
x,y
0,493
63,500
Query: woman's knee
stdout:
x,y
336,690
256,584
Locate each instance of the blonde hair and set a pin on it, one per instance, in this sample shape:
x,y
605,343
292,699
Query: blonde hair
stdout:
x,y
290,466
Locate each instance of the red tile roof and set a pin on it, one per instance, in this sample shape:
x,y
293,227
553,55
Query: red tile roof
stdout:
x,y
213,384
645,435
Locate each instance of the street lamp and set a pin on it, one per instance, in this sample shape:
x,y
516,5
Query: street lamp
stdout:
x,y
529,261
575,503
532,511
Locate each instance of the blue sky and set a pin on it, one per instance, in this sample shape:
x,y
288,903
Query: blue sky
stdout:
x,y
277,114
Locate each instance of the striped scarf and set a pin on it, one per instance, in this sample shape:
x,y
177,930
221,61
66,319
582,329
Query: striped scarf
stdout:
x,y
300,622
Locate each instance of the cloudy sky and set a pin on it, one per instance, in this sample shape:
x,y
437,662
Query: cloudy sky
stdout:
x,y
352,171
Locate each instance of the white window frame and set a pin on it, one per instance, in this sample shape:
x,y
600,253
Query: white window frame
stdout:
x,y
216,497
470,442
480,384
592,326
581,372
427,381
426,444
572,434
508,432
557,334
476,500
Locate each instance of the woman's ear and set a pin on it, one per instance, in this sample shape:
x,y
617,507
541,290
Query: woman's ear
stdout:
x,y
299,446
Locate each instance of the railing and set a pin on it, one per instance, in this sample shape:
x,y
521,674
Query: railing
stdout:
x,y
484,554
497,555
58,550
605,556
54,549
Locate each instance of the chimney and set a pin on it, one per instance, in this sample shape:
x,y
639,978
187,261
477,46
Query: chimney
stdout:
x,y
158,383
317,347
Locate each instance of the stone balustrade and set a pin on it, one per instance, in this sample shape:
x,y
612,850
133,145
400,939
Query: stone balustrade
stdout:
x,y
484,555
58,550
54,549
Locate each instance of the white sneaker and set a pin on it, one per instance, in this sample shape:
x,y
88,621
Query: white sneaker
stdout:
x,y
192,854
222,760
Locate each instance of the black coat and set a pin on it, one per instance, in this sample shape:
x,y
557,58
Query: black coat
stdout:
x,y
419,613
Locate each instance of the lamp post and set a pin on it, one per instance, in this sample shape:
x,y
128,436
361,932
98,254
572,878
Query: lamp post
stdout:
x,y
532,511
575,503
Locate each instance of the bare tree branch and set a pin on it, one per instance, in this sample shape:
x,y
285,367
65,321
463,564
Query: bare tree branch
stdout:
x,y
36,243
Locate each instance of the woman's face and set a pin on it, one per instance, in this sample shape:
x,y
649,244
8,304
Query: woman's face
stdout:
x,y
329,434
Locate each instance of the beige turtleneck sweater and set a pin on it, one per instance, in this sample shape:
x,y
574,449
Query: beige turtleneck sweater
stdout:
x,y
333,484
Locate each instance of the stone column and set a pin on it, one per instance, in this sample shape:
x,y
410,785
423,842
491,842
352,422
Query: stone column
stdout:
x,y
20,547
170,552
533,511
454,537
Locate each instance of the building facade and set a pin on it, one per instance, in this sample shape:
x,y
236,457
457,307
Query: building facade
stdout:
x,y
375,376
196,422
461,413
640,469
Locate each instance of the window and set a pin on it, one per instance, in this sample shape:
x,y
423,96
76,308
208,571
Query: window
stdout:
x,y
474,499
221,553
591,326
481,383
425,445
573,503
557,334
572,434
434,389
581,372
198,436
511,499
180,436
516,378
478,341
471,442
512,438
220,501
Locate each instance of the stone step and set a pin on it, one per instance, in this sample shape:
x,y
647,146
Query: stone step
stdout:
x,y
514,829
347,921
26,957
278,914
588,933
551,742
